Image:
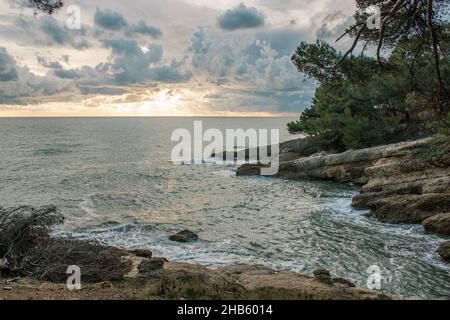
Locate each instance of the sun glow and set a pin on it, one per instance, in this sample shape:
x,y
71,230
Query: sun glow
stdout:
x,y
164,101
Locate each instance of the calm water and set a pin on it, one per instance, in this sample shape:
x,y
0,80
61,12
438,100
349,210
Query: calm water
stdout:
x,y
113,180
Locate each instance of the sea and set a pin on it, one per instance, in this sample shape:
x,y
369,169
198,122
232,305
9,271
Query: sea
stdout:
x,y
115,181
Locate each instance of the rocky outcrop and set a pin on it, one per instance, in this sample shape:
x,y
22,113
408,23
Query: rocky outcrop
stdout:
x,y
349,166
410,184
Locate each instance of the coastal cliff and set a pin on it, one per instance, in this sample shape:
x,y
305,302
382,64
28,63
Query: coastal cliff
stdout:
x,y
403,183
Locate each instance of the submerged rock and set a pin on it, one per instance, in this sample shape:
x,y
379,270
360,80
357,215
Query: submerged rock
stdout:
x,y
444,251
184,236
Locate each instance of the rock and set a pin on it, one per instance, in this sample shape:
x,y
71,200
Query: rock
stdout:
x,y
143,253
7,288
263,283
249,170
344,282
410,184
104,285
349,166
149,268
438,224
197,282
184,236
444,251
412,209
323,276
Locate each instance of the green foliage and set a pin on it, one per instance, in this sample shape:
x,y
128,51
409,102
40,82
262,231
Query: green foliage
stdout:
x,y
365,101
444,126
359,105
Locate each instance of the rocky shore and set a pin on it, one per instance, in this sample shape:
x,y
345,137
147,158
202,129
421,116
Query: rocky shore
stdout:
x,y
34,265
403,183
150,278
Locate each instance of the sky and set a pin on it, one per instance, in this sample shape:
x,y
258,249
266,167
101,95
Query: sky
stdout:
x,y
162,57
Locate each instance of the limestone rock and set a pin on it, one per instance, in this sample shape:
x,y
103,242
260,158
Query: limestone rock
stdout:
x,y
411,209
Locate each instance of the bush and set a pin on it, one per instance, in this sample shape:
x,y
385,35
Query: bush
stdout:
x,y
28,249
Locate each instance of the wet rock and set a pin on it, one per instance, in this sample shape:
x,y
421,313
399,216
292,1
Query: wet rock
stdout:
x,y
323,276
143,253
438,224
444,251
184,236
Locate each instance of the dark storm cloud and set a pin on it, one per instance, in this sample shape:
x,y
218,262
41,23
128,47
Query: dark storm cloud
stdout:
x,y
109,19
241,17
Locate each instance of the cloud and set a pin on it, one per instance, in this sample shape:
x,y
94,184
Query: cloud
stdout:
x,y
142,28
110,91
248,71
109,19
46,63
284,40
334,25
45,31
243,59
8,70
20,86
114,21
241,17
262,78
132,64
